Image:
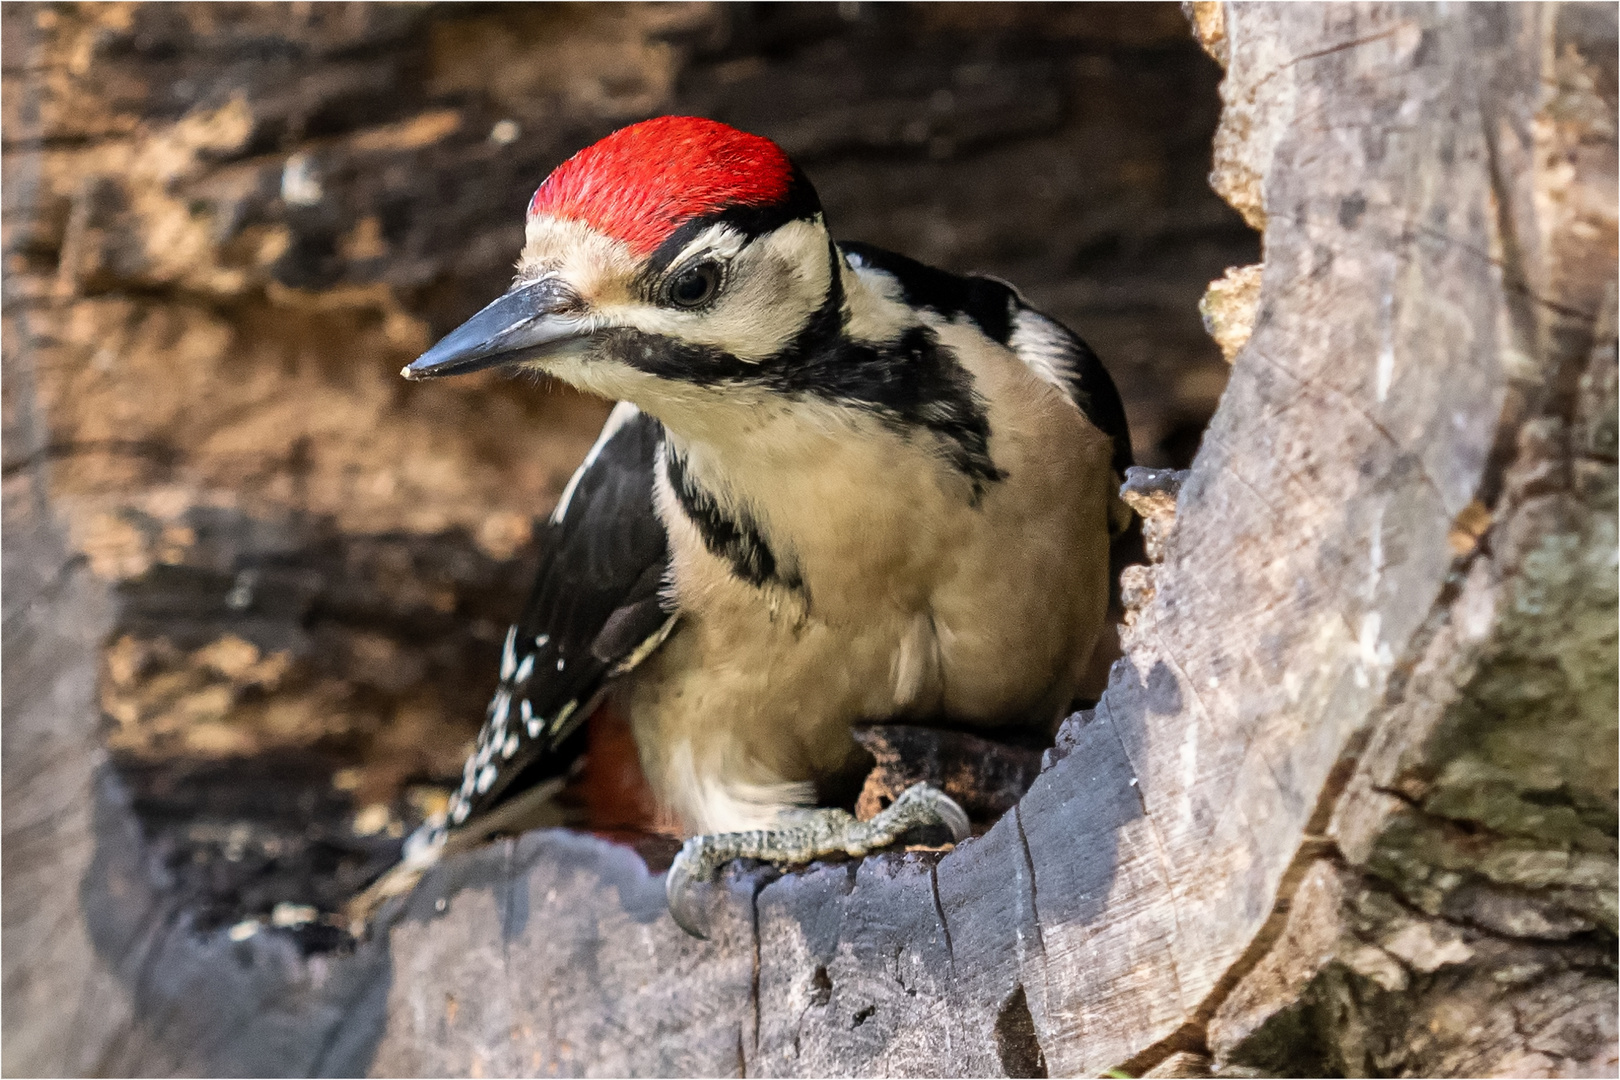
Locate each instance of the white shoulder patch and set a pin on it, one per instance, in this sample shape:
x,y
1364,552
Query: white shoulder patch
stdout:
x,y
1044,348
621,415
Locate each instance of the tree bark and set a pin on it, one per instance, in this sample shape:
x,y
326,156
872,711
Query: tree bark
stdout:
x,y
1347,806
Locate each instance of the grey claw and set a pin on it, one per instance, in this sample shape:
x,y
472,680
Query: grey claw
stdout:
x,y
681,891
922,804
953,817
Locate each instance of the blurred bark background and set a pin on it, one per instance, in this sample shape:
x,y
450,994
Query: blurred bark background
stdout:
x,y
255,583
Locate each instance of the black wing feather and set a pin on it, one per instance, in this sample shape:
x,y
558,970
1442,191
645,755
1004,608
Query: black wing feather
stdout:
x,y
596,605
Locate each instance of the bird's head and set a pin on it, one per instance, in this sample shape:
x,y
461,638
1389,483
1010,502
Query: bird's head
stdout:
x,y
673,256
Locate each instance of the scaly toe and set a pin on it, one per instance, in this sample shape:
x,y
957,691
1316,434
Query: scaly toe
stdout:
x,y
814,834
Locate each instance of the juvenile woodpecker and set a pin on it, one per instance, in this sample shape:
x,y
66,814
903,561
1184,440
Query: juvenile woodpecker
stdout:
x,y
839,486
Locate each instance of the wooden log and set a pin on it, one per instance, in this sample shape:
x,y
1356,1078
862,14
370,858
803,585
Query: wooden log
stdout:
x,y
255,583
1348,804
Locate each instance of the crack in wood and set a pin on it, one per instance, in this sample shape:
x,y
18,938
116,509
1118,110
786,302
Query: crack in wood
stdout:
x,y
1018,1044
939,913
753,985
1029,873
1316,54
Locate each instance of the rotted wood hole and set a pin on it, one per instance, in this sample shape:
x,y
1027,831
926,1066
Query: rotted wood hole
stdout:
x,y
1347,805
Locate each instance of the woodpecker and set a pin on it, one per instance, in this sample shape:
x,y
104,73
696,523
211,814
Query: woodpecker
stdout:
x,y
838,486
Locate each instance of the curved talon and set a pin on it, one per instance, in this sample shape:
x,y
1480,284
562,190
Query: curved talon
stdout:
x,y
944,809
679,889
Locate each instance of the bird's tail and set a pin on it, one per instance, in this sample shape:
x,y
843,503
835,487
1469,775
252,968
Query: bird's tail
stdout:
x,y
423,848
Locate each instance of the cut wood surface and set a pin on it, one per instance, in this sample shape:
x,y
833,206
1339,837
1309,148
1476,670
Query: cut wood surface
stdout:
x,y
1348,805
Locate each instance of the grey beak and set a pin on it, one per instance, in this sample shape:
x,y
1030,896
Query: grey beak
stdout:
x,y
527,322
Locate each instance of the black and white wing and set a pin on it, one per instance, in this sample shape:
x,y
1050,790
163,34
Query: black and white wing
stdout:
x,y
1050,349
1058,355
597,609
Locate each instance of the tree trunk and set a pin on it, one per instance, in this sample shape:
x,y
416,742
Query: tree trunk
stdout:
x,y
1347,806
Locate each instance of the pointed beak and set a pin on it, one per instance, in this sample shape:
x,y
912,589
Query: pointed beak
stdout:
x,y
527,323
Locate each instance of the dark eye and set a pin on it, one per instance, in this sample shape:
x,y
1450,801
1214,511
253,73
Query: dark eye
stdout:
x,y
694,286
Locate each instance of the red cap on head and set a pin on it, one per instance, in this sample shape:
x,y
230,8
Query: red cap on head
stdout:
x,y
643,181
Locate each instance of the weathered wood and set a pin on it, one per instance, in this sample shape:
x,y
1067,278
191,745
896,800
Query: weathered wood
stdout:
x,y
1461,919
555,955
1347,805
271,578
100,956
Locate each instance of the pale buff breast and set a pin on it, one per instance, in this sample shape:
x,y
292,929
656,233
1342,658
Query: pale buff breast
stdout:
x,y
919,602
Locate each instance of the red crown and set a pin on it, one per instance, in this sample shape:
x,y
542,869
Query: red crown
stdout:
x,y
643,181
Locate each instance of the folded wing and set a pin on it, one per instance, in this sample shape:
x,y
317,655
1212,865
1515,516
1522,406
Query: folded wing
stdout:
x,y
597,609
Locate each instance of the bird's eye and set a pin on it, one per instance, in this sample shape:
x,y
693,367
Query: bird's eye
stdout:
x,y
694,286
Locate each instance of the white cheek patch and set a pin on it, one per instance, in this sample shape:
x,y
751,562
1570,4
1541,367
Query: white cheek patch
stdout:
x,y
776,284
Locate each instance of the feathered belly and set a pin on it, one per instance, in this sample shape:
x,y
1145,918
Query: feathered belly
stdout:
x,y
743,710
893,592
738,717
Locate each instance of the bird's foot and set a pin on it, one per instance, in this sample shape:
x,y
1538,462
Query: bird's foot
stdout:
x,y
814,835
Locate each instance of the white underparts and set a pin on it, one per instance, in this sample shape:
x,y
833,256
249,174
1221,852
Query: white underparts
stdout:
x,y
711,801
